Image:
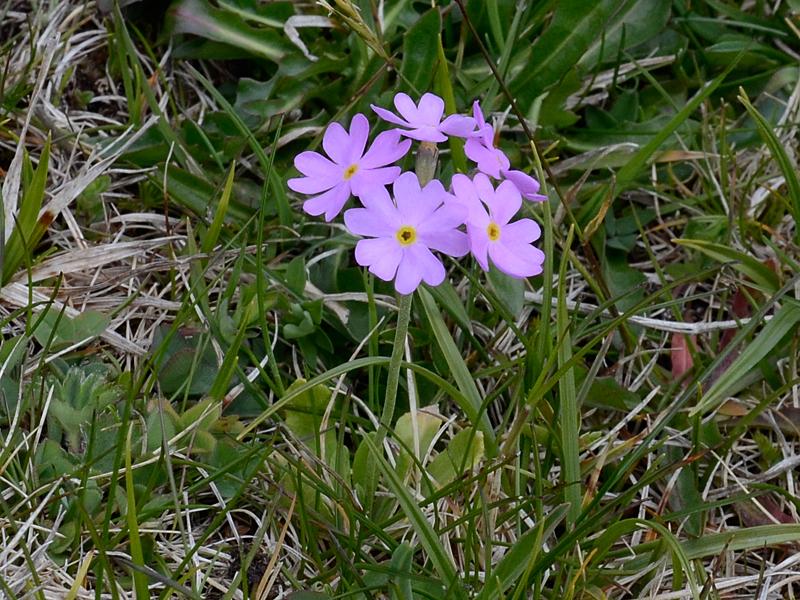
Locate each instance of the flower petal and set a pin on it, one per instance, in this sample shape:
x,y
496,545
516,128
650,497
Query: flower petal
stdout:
x,y
527,185
359,132
416,205
409,275
430,110
386,149
389,116
479,245
450,215
313,164
362,221
380,204
407,109
366,179
330,203
458,125
430,268
448,241
312,185
484,188
465,193
517,260
523,231
490,160
381,255
477,113
406,188
336,143
425,134
506,202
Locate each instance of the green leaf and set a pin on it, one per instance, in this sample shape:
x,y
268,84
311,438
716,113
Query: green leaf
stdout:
x,y
635,21
420,51
759,273
400,565
187,360
427,425
198,17
568,416
68,331
26,232
459,371
510,290
575,26
463,454
782,323
639,160
212,235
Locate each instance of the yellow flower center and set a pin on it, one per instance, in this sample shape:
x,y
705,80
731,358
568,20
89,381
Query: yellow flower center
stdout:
x,y
493,230
406,235
350,171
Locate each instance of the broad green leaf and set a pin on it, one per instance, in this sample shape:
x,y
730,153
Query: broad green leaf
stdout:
x,y
68,331
510,290
188,361
427,424
400,565
463,453
568,416
459,371
783,322
575,26
199,17
420,51
758,272
634,22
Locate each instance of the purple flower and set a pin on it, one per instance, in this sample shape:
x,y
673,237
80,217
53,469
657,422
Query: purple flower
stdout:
x,y
352,171
403,233
423,122
527,185
491,235
481,149
493,161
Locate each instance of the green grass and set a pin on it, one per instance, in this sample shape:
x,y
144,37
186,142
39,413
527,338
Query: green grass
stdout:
x,y
202,395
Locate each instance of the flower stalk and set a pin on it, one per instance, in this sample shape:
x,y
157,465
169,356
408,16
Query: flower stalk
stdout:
x,y
427,158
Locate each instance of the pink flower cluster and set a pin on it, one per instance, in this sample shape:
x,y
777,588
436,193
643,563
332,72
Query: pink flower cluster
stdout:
x,y
402,229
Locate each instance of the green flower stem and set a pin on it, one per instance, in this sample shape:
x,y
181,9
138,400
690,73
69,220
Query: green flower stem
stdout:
x,y
427,159
403,318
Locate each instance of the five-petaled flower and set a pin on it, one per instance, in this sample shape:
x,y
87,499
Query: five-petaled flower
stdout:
x,y
401,234
423,122
491,234
352,171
